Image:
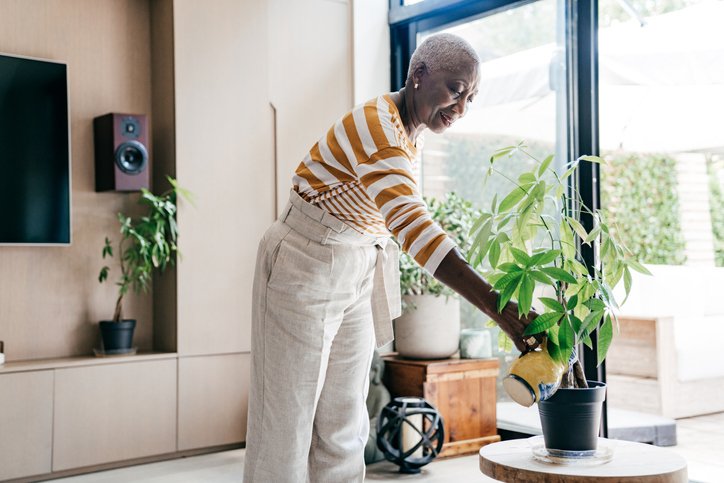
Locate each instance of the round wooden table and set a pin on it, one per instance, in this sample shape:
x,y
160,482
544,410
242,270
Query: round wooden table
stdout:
x,y
513,461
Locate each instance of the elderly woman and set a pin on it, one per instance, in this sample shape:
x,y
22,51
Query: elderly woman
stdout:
x,y
327,285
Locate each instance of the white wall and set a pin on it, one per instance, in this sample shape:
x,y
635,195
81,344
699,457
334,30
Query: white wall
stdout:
x,y
371,49
310,77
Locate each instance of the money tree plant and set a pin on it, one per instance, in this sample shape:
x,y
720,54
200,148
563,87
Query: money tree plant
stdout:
x,y
526,245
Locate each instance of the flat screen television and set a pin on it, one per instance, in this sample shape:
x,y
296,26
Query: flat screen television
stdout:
x,y
34,152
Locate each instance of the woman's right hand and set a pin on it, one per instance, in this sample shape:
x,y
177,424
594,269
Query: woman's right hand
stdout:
x,y
457,274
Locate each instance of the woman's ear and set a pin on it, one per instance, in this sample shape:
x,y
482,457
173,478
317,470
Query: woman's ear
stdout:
x,y
419,72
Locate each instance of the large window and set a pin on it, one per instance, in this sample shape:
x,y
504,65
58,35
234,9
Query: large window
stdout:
x,y
535,62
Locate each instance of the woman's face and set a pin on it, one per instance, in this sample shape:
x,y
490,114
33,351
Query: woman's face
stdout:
x,y
443,96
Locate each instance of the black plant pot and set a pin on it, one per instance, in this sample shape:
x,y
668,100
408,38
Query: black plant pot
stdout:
x,y
117,336
571,418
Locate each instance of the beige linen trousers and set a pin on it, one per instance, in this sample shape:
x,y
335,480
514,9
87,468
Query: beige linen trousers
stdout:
x,y
319,303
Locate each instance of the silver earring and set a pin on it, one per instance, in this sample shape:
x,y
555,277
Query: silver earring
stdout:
x,y
416,86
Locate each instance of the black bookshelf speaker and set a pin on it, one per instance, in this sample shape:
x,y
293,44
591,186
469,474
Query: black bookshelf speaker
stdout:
x,y
121,151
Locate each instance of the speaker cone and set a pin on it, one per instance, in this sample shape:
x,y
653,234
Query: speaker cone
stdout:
x,y
131,157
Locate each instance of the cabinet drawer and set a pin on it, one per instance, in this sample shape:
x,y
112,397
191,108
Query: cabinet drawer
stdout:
x,y
114,412
26,423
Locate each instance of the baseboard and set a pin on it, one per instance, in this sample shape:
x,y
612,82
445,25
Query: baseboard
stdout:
x,y
125,463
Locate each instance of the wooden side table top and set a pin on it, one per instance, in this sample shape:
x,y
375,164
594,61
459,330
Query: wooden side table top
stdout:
x,y
512,461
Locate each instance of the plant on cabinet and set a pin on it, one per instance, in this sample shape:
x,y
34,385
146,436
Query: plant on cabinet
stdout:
x,y
147,243
429,327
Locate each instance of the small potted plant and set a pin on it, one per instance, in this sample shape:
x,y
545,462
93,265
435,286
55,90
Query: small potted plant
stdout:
x,y
526,245
147,243
429,327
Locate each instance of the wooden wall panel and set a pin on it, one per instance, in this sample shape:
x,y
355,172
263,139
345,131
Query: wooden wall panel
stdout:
x,y
114,413
213,400
223,154
310,76
165,301
50,298
26,424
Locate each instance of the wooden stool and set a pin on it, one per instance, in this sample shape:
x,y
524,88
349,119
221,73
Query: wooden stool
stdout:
x,y
463,390
512,461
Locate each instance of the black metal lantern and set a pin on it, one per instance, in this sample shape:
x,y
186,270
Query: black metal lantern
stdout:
x,y
410,433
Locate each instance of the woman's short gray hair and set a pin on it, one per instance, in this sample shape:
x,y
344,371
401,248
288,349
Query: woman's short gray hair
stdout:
x,y
443,51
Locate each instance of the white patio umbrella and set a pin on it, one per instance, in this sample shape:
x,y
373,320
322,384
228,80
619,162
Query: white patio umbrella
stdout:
x,y
661,86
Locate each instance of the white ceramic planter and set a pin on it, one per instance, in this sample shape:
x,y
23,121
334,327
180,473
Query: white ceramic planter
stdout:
x,y
431,331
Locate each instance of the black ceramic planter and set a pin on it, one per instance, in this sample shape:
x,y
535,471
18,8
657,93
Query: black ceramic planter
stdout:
x,y
571,418
117,336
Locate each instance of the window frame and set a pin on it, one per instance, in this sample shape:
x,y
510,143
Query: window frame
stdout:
x,y
406,21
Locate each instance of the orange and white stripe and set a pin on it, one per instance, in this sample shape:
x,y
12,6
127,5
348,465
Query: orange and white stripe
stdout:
x,y
364,172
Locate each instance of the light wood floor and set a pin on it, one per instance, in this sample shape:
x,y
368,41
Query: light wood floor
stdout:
x,y
700,441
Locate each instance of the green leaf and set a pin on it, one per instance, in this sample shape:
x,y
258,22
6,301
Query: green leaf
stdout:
x,y
638,267
500,153
509,267
545,165
506,219
575,323
594,233
104,274
526,178
558,274
494,254
627,280
566,339
572,302
607,295
593,159
543,322
481,241
568,173
552,304
479,222
512,199
541,277
494,278
576,266
554,349
520,256
495,201
509,290
577,227
590,323
490,323
567,245
544,258
553,335
504,342
617,276
588,342
525,296
605,335
595,304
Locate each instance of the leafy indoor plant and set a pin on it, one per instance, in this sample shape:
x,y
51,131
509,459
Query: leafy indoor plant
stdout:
x,y
430,324
527,241
147,243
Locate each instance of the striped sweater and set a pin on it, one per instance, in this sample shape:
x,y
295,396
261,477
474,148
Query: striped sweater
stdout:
x,y
364,172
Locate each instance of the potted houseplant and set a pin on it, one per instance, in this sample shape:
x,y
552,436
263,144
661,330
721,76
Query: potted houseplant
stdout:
x,y
147,243
526,245
429,327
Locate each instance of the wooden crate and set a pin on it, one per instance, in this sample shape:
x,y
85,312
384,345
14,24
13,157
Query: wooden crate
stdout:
x,y
463,390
